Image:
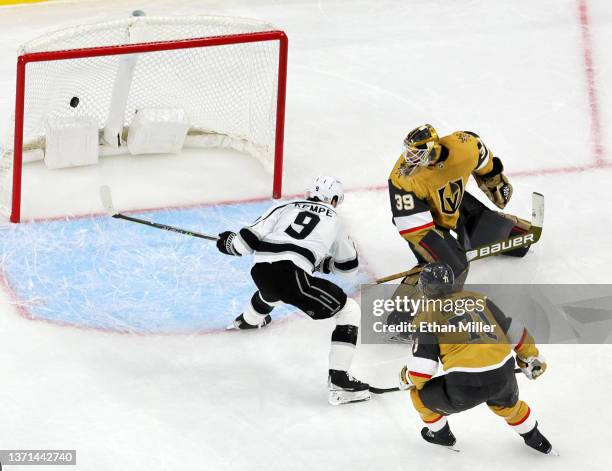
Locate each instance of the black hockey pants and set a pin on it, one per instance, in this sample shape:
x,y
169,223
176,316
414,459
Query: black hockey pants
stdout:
x,y
284,281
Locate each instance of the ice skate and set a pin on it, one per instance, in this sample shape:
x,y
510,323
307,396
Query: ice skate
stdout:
x,y
443,437
343,388
241,324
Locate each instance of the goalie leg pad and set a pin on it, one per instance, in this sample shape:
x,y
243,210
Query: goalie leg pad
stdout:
x,y
443,247
489,227
521,226
478,225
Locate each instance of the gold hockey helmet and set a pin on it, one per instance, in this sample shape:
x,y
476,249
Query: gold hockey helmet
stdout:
x,y
421,147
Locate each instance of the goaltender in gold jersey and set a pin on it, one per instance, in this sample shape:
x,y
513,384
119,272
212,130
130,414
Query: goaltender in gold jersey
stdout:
x,y
476,347
428,197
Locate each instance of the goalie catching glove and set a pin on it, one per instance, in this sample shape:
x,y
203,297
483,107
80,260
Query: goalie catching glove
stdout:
x,y
225,243
532,367
495,185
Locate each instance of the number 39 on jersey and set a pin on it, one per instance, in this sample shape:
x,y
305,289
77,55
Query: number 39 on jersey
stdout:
x,y
404,202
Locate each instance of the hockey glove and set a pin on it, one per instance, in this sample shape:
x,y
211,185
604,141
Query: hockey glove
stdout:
x,y
225,243
325,265
495,185
404,380
532,367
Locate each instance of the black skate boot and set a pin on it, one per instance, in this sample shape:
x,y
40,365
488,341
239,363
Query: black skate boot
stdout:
x,y
240,323
443,437
343,388
537,441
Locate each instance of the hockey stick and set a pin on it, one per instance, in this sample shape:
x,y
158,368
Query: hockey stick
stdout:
x,y
107,202
396,388
494,248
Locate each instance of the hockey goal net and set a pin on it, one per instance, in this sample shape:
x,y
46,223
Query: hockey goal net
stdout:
x,y
228,75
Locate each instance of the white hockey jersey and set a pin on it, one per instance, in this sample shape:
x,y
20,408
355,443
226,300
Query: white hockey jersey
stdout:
x,y
304,232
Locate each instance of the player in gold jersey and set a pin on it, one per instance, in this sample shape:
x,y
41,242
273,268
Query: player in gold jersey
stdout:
x,y
428,197
475,342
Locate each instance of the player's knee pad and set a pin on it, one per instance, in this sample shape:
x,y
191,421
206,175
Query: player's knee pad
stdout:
x,y
347,323
345,334
350,314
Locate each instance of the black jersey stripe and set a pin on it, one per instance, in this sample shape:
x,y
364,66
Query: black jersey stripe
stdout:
x,y
347,265
250,238
483,154
444,153
280,247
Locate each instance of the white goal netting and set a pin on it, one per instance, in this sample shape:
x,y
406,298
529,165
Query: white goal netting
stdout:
x,y
228,92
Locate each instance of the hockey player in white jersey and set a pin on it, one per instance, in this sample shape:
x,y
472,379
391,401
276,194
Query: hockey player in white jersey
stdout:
x,y
290,242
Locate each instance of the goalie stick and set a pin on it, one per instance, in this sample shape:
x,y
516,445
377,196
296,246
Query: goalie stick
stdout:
x,y
396,388
494,248
107,202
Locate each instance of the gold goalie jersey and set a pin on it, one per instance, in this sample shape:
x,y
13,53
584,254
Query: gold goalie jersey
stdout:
x,y
431,196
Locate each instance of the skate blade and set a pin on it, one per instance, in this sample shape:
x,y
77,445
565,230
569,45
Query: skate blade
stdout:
x,y
339,397
234,327
449,448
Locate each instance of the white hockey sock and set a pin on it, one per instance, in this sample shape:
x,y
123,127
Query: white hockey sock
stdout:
x,y
344,336
341,356
437,425
257,310
253,317
526,425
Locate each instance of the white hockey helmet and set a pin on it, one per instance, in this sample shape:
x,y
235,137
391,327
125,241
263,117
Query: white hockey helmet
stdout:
x,y
325,188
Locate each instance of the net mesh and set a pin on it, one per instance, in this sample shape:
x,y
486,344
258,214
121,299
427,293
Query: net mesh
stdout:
x,y
228,92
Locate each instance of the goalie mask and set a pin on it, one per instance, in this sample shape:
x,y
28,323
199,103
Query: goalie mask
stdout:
x,y
421,147
325,188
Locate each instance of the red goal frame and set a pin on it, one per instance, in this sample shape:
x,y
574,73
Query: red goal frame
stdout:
x,y
24,59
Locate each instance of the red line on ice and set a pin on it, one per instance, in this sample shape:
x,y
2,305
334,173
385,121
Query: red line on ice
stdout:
x,y
587,51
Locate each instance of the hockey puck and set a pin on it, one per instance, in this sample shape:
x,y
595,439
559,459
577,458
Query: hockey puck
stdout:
x,y
74,101
138,13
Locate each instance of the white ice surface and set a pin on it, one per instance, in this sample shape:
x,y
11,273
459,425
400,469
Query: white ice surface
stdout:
x,y
361,74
